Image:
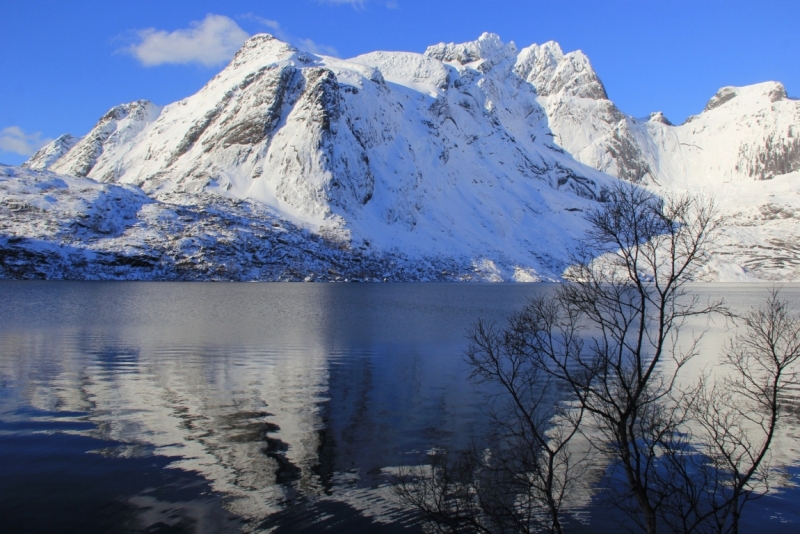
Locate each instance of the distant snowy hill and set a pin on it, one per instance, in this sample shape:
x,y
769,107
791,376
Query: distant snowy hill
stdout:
x,y
477,156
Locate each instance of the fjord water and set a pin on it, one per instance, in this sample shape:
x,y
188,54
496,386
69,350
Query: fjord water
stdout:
x,y
210,407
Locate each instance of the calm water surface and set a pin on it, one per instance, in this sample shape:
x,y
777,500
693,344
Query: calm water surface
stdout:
x,y
202,407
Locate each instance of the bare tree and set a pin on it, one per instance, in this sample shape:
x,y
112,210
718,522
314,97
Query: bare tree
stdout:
x,y
629,294
739,414
610,341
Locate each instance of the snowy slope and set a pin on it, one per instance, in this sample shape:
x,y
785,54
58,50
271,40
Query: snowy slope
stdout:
x,y
760,239
65,227
477,153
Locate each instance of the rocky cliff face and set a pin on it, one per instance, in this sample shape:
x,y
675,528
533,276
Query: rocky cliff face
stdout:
x,y
477,151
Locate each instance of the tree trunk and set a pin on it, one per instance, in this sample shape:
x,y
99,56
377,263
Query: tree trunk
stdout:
x,y
639,490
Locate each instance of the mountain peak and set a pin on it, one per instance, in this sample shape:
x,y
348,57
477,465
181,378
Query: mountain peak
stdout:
x,y
137,110
658,116
766,91
552,72
724,95
118,126
48,154
263,48
488,47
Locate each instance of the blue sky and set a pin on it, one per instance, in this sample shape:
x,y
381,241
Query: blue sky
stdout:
x,y
63,64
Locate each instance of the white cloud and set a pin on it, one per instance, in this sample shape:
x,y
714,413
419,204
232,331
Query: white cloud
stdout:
x,y
14,139
212,41
280,32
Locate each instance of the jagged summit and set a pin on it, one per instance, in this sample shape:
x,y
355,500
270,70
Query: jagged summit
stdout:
x,y
658,116
488,49
265,49
545,66
722,96
552,72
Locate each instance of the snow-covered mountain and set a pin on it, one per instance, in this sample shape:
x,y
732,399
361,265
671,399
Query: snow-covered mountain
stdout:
x,y
478,154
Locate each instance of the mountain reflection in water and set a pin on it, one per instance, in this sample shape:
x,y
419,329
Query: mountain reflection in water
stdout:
x,y
225,407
